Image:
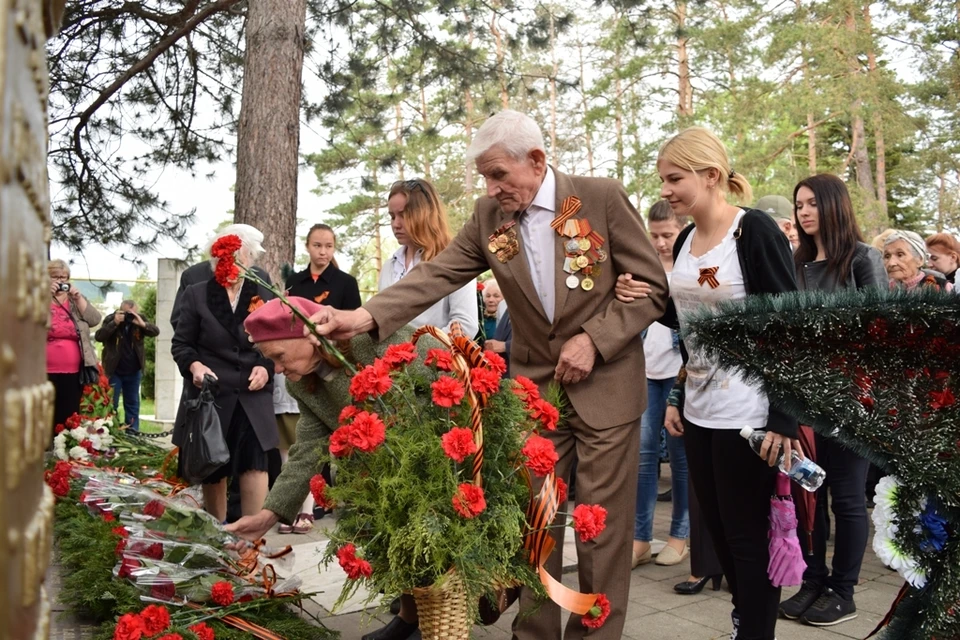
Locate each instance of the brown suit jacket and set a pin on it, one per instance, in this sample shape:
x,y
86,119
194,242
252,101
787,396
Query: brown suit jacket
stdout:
x,y
615,391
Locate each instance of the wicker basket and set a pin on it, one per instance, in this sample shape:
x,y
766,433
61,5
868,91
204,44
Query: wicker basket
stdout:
x,y
443,609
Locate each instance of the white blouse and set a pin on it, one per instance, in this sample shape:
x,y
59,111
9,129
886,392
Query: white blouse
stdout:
x,y
460,306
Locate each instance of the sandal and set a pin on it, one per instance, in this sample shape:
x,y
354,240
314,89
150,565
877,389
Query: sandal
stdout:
x,y
285,528
303,523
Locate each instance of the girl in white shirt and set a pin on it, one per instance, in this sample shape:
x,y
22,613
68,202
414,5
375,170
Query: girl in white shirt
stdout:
x,y
419,223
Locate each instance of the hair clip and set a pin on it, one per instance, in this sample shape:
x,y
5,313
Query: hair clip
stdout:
x,y
732,173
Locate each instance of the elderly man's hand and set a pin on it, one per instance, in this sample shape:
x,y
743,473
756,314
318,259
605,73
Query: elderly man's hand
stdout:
x,y
497,346
577,356
339,325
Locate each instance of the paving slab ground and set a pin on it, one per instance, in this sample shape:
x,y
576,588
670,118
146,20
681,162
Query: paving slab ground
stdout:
x,y
655,612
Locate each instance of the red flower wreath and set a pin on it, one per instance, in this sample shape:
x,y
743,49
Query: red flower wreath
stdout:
x,y
598,613
458,443
224,250
171,636
469,501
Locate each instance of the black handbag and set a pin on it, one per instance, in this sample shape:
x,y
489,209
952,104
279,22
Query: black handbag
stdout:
x,y
204,449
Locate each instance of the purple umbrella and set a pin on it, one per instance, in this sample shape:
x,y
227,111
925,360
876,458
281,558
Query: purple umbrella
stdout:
x,y
786,559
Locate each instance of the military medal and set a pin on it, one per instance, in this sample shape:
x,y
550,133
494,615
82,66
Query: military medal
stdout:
x,y
586,284
503,242
572,282
581,244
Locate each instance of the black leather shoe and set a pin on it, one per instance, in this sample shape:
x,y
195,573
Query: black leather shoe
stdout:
x,y
693,587
397,629
666,496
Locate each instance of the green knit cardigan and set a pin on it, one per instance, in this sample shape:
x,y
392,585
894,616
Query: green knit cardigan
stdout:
x,y
321,402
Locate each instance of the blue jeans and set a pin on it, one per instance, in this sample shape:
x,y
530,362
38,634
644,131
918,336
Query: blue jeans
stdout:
x,y
129,386
650,425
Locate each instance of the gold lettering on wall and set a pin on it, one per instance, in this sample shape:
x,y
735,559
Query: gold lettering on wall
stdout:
x,y
12,426
29,162
36,549
33,297
27,418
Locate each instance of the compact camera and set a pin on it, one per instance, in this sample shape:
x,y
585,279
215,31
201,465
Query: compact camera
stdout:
x,y
63,286
127,317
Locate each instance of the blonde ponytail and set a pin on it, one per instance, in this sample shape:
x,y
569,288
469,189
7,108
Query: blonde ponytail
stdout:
x,y
697,149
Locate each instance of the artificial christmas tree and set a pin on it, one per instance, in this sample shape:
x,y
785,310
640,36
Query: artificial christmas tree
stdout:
x,y
879,371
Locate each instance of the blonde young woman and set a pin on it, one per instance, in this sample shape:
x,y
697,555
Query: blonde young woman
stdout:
x,y
419,223
729,252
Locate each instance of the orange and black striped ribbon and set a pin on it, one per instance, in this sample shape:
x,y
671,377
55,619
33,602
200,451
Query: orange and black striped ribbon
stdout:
x,y
466,355
709,275
568,208
887,618
237,622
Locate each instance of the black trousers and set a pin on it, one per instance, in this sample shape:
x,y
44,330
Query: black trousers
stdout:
x,y
846,475
734,487
703,554
67,399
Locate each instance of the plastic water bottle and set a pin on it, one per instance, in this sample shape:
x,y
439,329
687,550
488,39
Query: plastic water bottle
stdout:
x,y
803,471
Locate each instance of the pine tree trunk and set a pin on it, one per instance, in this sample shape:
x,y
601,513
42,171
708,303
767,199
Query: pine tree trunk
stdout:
x,y
941,200
861,157
425,123
881,150
377,237
501,72
618,115
685,89
268,132
587,130
811,144
468,133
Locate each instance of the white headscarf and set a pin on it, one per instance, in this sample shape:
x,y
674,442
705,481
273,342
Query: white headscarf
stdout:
x,y
913,240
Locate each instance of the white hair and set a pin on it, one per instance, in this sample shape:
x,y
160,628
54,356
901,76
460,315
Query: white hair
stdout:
x,y
513,132
250,237
913,240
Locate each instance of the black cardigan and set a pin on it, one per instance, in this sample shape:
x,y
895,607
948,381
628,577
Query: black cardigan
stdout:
x,y
767,265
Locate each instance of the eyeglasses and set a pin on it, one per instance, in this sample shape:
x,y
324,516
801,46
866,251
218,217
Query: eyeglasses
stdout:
x,y
64,278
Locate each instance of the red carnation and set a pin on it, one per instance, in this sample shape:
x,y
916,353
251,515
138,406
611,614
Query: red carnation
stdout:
x,y
942,399
545,412
154,551
318,488
483,380
109,517
155,618
121,545
120,531
348,413
468,501
458,443
371,381
58,483
561,491
447,391
163,588
154,509
398,355
129,627
340,445
441,358
541,455
589,520
597,615
60,428
354,567
495,361
224,250
480,286
171,636
88,446
202,631
222,593
526,389
367,432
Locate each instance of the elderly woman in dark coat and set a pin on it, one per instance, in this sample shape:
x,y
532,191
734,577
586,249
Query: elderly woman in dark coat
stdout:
x,y
210,340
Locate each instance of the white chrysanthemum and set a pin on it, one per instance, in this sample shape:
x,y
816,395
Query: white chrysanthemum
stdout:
x,y
886,493
889,552
78,434
106,442
914,574
95,440
79,453
100,423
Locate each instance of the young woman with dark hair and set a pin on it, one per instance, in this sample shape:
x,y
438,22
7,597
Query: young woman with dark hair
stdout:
x,y
832,254
832,257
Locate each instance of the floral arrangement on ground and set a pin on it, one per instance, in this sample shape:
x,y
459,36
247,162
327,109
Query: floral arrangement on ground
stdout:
x,y
141,560
434,464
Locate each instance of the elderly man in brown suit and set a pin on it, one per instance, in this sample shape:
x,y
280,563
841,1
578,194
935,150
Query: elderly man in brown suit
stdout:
x,y
556,244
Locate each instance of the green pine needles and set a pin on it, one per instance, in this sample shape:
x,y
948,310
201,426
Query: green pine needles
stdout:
x,y
879,371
